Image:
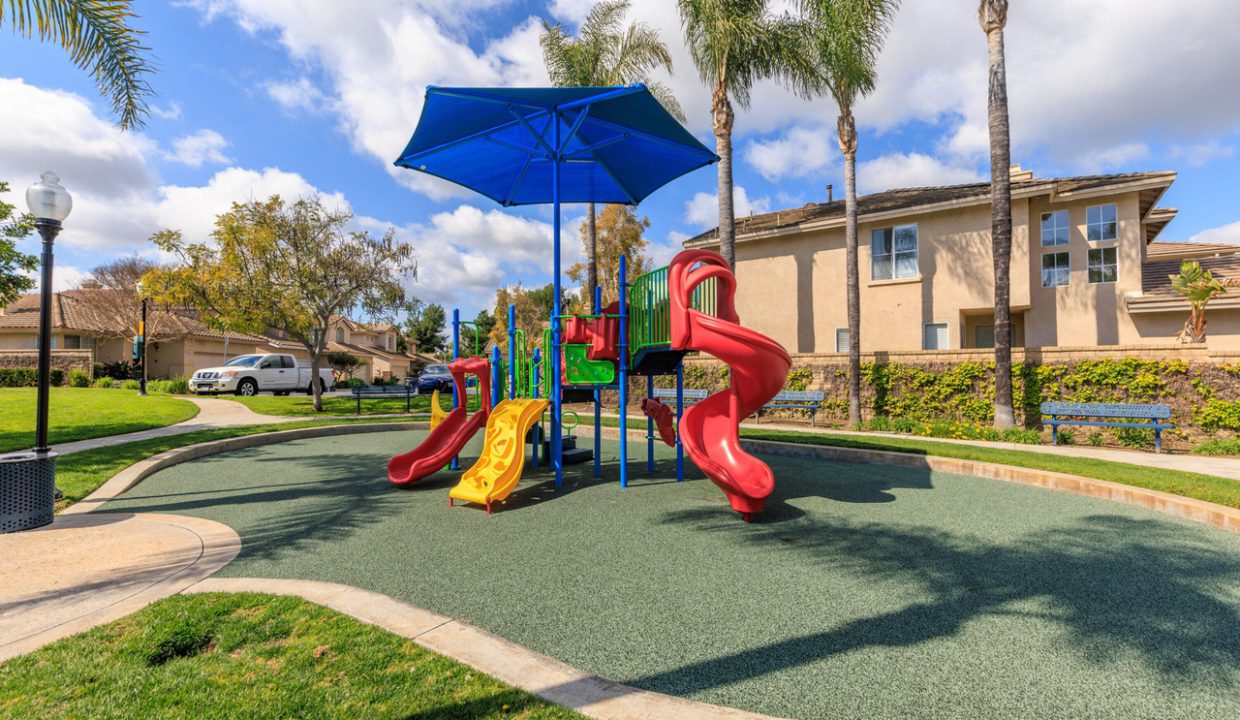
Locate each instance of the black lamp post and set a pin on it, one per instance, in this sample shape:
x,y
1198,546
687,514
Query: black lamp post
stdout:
x,y
28,479
50,204
140,342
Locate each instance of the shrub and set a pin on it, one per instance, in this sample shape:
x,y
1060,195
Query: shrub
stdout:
x,y
1219,415
78,379
103,382
354,382
1022,436
1066,436
1135,437
177,386
119,370
1096,438
1219,446
27,377
130,385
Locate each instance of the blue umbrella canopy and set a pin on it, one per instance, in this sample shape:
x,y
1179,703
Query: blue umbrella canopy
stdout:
x,y
616,144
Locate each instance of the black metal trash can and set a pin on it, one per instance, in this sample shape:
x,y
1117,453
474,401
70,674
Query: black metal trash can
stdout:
x,y
27,490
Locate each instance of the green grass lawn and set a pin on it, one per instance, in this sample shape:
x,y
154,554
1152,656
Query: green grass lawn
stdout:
x,y
340,405
251,656
84,413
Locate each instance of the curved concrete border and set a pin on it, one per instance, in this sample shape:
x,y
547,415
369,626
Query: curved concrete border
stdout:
x,y
1207,513
142,469
145,557
533,672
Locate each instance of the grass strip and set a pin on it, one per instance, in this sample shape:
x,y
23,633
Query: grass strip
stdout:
x,y
1199,486
250,655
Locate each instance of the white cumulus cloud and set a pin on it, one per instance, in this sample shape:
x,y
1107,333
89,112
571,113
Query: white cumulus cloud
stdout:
x,y
900,170
199,148
703,209
1227,234
802,151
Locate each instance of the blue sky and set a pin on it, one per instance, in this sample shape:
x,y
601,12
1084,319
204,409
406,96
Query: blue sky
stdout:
x,y
300,97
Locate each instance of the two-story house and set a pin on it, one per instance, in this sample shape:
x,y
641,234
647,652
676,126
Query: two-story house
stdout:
x,y
1087,268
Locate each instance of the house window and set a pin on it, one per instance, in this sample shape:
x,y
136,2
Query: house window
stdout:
x,y
1055,228
1100,223
984,336
1103,265
935,337
893,253
339,335
1055,269
73,342
841,340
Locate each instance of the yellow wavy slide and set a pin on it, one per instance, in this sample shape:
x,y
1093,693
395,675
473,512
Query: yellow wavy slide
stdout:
x,y
437,412
498,469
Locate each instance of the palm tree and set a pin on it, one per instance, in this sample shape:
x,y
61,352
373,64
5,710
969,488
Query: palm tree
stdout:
x,y
734,44
605,52
992,14
846,36
99,39
1199,287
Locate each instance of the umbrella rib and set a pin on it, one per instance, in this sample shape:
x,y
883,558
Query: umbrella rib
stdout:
x,y
453,143
653,138
572,132
589,149
515,146
616,180
512,191
537,135
609,95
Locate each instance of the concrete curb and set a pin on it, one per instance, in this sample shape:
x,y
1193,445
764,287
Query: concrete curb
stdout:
x,y
1217,516
533,672
127,581
142,469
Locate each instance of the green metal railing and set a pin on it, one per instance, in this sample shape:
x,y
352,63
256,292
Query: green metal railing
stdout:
x,y
650,321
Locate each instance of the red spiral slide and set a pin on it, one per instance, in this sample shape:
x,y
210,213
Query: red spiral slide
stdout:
x,y
709,429
447,439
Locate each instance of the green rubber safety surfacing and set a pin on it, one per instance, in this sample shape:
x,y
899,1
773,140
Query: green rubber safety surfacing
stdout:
x,y
863,592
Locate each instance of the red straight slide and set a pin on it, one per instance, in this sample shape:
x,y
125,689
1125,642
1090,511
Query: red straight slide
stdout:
x,y
447,439
709,429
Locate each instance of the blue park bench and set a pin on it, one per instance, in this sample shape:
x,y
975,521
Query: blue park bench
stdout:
x,y
807,400
1144,417
405,391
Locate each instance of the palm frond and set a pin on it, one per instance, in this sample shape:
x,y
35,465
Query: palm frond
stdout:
x,y
846,38
99,39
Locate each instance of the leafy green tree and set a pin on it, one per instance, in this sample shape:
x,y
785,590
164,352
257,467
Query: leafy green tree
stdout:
x,y
425,324
98,37
292,267
485,322
621,232
345,364
13,263
1198,287
605,52
992,15
846,37
736,43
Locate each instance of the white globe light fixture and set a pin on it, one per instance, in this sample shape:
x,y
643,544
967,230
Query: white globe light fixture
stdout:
x,y
48,200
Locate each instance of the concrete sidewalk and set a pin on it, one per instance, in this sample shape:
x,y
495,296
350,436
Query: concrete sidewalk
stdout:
x,y
1206,465
212,413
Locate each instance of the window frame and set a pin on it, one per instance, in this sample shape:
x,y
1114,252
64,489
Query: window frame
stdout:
x,y
847,339
1067,228
977,345
891,259
946,331
1068,268
1101,223
1090,266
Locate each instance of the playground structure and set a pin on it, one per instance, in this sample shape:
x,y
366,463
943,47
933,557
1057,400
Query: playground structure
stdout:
x,y
659,318
523,146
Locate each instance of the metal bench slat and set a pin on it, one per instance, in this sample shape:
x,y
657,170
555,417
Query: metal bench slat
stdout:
x,y
1116,410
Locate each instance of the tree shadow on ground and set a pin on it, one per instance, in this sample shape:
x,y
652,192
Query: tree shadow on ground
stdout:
x,y
1117,587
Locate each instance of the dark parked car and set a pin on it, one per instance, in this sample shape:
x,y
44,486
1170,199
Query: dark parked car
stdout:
x,y
435,377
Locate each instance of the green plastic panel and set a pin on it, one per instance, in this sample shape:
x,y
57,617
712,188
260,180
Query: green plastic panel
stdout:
x,y
650,322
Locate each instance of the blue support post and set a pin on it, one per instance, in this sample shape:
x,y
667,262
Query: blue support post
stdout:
x,y
456,355
534,393
680,411
557,395
497,378
623,286
598,399
649,428
512,351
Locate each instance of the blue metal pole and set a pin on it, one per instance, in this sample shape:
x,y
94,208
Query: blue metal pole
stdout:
x,y
680,411
534,394
456,355
512,351
598,397
557,460
650,428
497,377
624,374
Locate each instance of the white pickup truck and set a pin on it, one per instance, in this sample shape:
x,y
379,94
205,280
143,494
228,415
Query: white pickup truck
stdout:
x,y
252,374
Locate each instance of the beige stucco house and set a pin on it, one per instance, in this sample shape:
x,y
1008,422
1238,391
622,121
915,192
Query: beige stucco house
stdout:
x,y
1087,268
182,344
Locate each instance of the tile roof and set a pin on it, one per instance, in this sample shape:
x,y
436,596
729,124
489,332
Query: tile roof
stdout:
x,y
72,310
1166,250
915,197
1156,276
